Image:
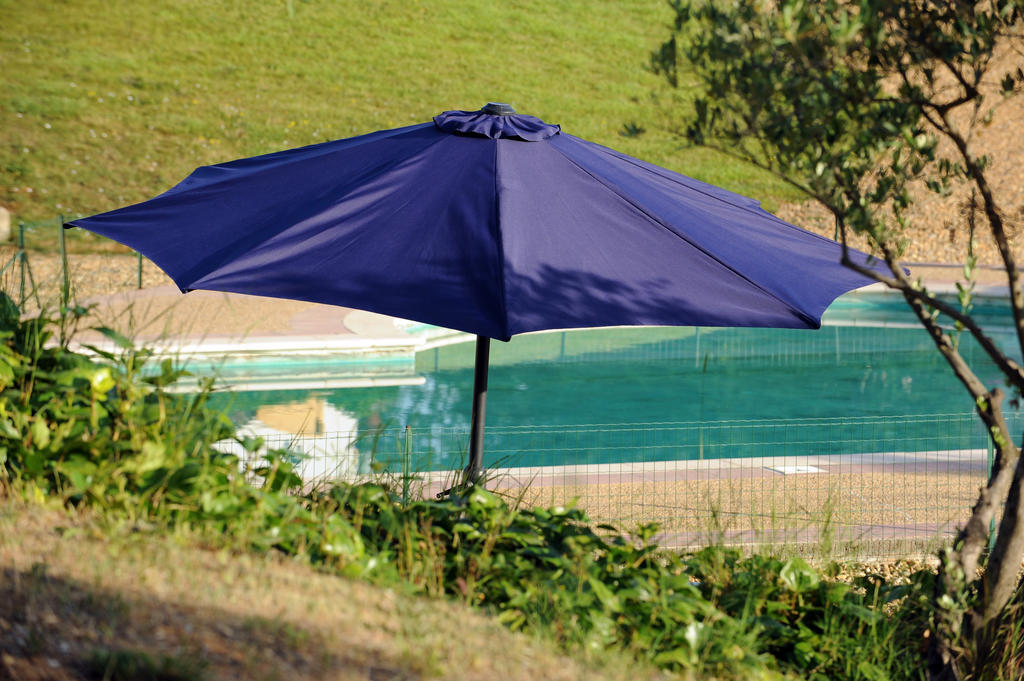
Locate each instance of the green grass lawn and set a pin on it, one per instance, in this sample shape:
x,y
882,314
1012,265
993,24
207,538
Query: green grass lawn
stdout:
x,y
109,103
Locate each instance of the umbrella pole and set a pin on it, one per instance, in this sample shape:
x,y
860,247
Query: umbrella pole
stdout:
x,y
476,431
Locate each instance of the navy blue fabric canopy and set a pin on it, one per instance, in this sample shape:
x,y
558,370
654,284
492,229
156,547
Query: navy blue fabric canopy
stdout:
x,y
491,224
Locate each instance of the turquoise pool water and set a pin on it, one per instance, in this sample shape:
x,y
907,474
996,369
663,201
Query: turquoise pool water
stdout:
x,y
668,393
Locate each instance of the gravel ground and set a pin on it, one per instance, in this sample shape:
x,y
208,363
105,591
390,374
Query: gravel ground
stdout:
x,y
860,508
788,514
938,224
92,275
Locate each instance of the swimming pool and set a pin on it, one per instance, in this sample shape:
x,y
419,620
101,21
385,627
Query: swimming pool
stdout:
x,y
655,394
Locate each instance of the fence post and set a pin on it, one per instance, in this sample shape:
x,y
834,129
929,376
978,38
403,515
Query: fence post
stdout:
x,y
65,288
407,475
992,523
21,262
139,275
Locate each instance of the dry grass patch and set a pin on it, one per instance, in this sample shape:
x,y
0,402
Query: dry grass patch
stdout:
x,y
70,595
839,514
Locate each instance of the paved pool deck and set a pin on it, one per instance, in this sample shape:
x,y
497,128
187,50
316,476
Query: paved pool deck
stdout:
x,y
857,504
211,324
208,323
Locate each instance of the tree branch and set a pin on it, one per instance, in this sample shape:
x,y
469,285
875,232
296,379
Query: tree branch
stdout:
x,y
1004,563
998,229
974,535
920,36
764,166
901,283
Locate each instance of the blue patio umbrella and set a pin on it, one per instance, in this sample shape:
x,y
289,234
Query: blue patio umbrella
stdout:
x,y
489,222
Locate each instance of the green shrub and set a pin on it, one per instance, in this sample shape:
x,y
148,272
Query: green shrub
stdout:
x,y
826,629
96,432
99,433
716,612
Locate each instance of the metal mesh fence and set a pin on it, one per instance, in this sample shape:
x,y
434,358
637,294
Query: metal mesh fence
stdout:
x,y
879,486
46,266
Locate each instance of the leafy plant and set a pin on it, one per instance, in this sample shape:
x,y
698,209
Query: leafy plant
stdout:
x,y
103,434
99,433
826,628
548,570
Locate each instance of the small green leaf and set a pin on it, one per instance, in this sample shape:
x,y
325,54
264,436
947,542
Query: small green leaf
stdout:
x,y
40,433
153,456
101,381
6,375
118,339
33,462
481,498
604,594
797,575
466,529
681,657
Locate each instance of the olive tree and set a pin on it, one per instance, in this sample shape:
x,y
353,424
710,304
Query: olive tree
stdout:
x,y
855,104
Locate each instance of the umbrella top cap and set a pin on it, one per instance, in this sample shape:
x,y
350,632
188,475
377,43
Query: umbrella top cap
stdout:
x,y
498,109
496,121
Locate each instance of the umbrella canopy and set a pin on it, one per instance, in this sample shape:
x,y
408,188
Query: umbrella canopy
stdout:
x,y
487,222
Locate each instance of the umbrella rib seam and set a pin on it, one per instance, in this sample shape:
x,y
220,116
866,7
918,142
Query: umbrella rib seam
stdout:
x,y
324,150
500,244
758,210
195,275
661,223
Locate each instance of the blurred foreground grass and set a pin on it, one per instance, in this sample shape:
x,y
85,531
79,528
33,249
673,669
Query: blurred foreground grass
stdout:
x,y
76,591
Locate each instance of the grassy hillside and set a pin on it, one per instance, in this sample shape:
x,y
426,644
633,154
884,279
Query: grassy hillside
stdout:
x,y
107,103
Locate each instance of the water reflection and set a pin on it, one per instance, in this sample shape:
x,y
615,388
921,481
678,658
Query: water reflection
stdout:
x,y
320,437
622,376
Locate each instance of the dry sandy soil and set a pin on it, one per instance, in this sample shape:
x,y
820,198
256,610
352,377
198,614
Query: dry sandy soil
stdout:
x,y
69,589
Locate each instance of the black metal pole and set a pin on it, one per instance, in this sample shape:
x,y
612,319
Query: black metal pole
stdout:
x,y
65,289
476,431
